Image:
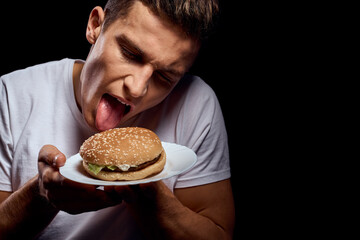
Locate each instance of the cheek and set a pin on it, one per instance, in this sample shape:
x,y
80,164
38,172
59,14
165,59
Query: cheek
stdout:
x,y
89,85
94,75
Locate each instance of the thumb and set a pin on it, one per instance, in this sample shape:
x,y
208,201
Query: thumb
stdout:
x,y
51,156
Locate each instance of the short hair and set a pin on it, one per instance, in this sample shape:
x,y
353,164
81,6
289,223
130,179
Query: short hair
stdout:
x,y
197,18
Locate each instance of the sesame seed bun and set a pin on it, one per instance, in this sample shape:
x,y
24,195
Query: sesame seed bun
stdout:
x,y
135,152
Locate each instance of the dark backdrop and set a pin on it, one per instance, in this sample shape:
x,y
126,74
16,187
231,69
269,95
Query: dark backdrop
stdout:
x,y
37,32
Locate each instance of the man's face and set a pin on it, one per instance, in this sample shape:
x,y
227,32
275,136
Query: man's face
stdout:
x,y
132,66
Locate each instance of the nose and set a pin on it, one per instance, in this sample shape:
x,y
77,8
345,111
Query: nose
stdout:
x,y
136,84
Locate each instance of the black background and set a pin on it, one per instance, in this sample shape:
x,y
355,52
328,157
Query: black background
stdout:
x,y
38,31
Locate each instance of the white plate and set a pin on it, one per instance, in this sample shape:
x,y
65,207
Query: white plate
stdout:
x,y
178,160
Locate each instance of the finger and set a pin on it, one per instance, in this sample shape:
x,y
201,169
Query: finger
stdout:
x,y
146,191
76,198
67,183
149,190
127,193
91,191
50,177
52,156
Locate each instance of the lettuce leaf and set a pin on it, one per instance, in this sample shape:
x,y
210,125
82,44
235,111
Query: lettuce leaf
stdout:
x,y
112,168
95,168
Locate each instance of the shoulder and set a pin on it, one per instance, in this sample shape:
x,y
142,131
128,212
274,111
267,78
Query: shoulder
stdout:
x,y
201,127
196,108
36,80
38,72
195,87
193,94
199,97
25,89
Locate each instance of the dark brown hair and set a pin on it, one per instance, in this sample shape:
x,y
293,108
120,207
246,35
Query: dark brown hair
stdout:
x,y
196,17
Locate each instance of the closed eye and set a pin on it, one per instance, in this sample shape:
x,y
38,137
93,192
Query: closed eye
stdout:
x,y
163,76
130,55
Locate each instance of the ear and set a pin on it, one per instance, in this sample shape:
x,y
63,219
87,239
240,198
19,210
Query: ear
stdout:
x,y
94,26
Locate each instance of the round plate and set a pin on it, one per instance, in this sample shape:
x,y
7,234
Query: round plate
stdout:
x,y
178,160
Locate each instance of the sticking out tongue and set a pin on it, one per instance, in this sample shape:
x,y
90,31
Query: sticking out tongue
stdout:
x,y
109,113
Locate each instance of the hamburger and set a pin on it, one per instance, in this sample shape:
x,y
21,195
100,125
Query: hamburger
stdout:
x,y
130,153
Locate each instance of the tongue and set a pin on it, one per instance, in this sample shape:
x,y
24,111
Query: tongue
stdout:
x,y
109,113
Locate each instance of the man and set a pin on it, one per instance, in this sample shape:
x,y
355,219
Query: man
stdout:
x,y
134,76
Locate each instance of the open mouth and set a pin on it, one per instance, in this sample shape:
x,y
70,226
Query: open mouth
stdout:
x,y
127,106
110,112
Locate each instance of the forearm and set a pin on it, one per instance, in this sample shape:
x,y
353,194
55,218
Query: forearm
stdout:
x,y
179,222
165,217
25,212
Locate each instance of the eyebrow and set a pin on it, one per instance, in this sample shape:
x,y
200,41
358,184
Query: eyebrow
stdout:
x,y
122,39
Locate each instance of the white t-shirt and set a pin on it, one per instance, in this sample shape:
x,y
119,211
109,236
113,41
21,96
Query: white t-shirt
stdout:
x,y
37,107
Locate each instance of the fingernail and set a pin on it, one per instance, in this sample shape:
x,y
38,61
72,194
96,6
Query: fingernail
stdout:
x,y
55,160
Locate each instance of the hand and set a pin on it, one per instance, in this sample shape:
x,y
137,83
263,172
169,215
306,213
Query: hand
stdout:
x,y
147,198
66,195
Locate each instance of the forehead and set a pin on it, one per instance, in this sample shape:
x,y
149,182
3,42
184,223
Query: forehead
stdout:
x,y
159,39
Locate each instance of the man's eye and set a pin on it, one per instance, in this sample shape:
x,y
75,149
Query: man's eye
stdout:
x,y
130,55
164,77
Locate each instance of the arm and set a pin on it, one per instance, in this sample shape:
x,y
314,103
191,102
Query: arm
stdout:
x,y
4,196
29,210
212,201
202,212
20,209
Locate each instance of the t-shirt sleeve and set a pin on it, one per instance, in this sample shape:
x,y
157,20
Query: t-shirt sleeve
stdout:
x,y
5,141
205,134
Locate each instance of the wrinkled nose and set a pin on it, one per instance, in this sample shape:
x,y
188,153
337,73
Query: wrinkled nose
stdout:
x,y
137,83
